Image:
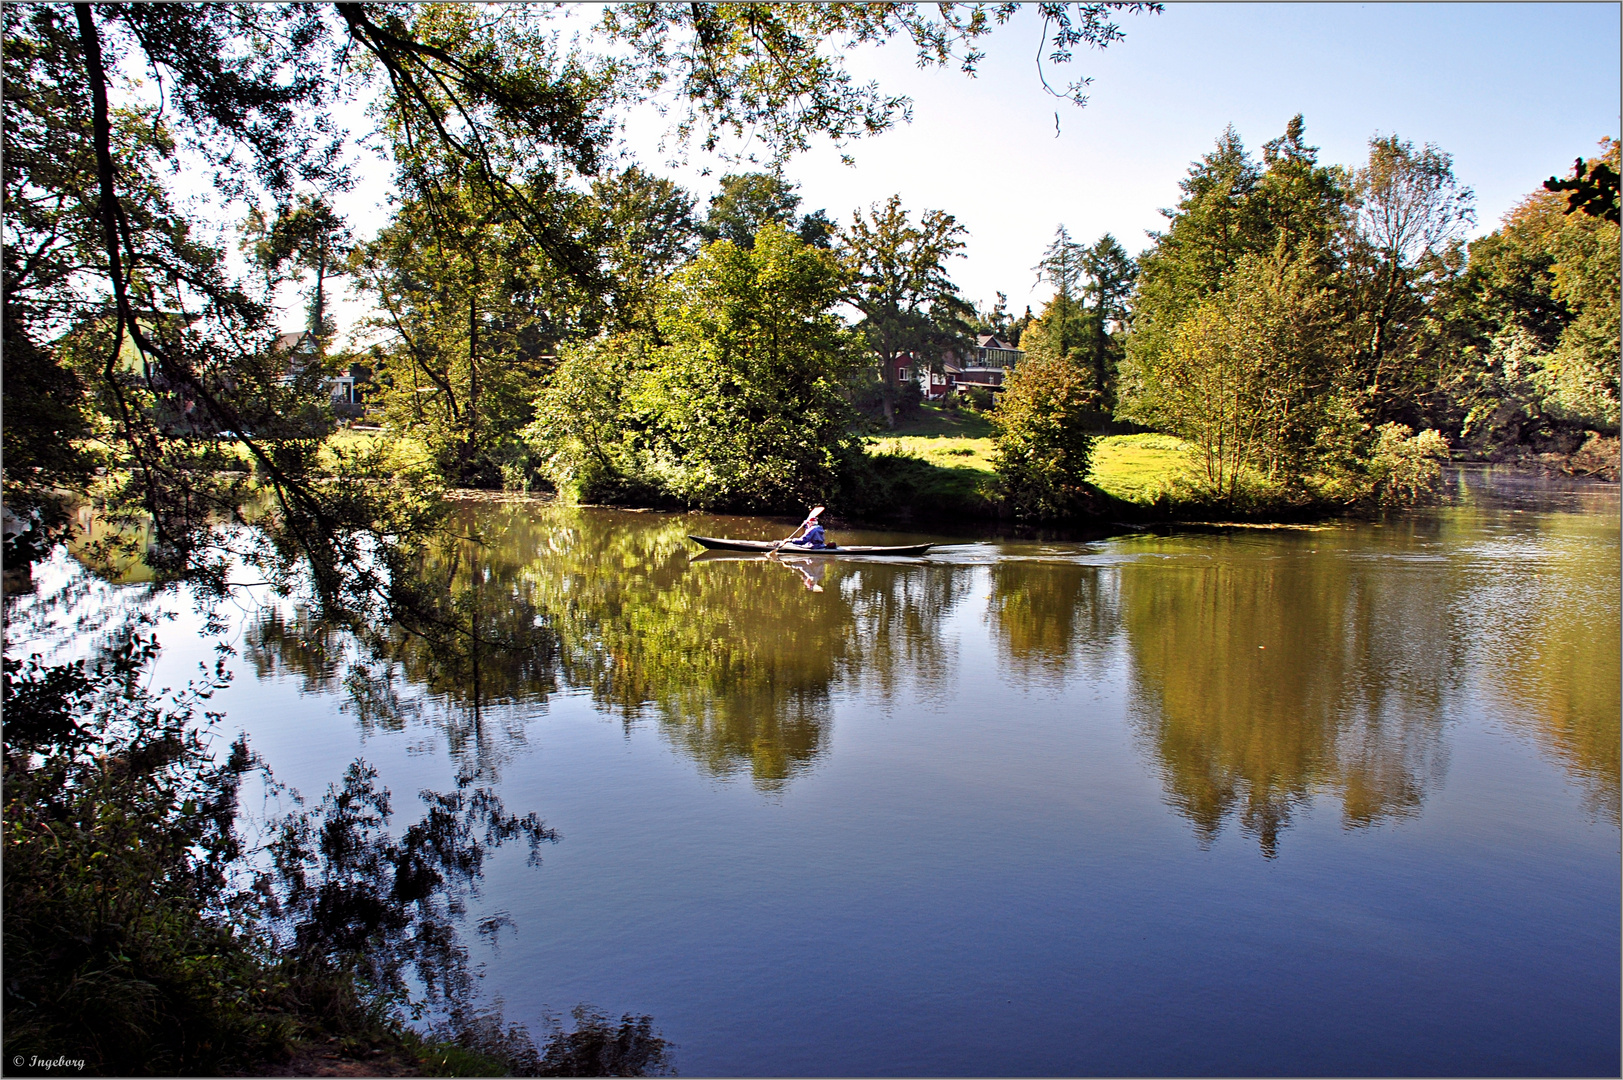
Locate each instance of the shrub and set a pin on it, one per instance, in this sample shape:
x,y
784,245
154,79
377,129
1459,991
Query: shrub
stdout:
x,y
1045,420
1405,468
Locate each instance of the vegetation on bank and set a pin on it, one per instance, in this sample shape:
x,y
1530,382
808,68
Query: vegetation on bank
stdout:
x,y
1320,339
146,934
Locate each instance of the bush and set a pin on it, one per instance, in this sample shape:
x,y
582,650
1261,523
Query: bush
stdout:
x,y
119,835
1405,468
978,398
1045,420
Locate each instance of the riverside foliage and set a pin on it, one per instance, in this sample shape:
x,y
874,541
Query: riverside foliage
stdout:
x,y
148,932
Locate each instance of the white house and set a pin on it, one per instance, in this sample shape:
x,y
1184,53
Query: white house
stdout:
x,y
985,367
301,349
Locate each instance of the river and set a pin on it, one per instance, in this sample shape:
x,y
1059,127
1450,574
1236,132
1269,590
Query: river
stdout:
x,y
1339,799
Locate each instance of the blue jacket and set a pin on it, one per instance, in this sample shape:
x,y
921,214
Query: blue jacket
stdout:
x,y
813,537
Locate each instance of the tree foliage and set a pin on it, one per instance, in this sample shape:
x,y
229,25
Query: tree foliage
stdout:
x,y
1047,418
306,235
1250,378
645,229
1592,188
111,290
774,71
1292,311
742,406
1532,325
911,311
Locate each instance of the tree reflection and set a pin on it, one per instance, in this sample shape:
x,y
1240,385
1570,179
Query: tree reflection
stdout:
x,y
1263,674
1049,617
735,659
470,645
1549,643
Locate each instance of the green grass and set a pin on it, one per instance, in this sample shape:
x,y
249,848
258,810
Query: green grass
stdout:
x,y
1138,468
1133,468
939,450
404,451
934,421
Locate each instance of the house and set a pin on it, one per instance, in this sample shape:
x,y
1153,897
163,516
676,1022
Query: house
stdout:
x,y
985,367
302,349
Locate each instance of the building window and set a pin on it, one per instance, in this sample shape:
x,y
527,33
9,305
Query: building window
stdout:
x,y
901,374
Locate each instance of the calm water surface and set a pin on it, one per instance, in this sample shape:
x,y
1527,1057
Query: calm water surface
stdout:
x,y
1339,800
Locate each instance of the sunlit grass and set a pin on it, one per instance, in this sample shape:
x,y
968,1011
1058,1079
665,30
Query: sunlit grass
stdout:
x,y
1135,468
940,450
405,453
1138,468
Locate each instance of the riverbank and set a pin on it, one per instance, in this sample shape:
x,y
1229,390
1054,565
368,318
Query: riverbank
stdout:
x,y
939,466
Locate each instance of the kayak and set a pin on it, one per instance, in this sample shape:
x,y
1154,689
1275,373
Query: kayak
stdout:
x,y
717,544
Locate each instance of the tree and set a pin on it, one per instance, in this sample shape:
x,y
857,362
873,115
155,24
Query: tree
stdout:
x,y
1045,419
910,308
741,406
1411,214
465,308
1251,377
107,283
1110,275
1061,332
646,230
1231,208
994,320
1071,329
1591,188
308,235
746,402
247,90
748,201
1580,378
762,71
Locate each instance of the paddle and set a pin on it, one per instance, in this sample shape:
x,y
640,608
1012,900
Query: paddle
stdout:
x,y
811,517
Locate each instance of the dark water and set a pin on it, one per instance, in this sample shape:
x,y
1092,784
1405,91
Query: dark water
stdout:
x,y
1332,800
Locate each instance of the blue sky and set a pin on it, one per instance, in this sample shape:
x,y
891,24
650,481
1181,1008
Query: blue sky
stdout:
x,y
1513,91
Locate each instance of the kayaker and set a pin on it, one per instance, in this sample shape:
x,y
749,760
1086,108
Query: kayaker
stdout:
x,y
814,537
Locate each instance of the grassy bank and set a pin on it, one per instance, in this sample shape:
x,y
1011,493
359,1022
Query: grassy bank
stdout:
x,y
941,464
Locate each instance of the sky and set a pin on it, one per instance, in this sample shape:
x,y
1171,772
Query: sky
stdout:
x,y
1513,91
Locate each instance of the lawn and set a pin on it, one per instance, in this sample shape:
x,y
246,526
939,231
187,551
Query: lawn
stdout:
x,y
940,450
1134,468
404,451
933,421
1137,468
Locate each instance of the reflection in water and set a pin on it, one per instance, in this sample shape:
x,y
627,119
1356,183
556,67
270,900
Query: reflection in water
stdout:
x,y
1048,618
476,645
1260,678
736,659
1263,668
1546,616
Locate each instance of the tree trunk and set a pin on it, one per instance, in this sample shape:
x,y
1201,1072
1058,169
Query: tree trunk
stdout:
x,y
318,305
473,363
470,445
